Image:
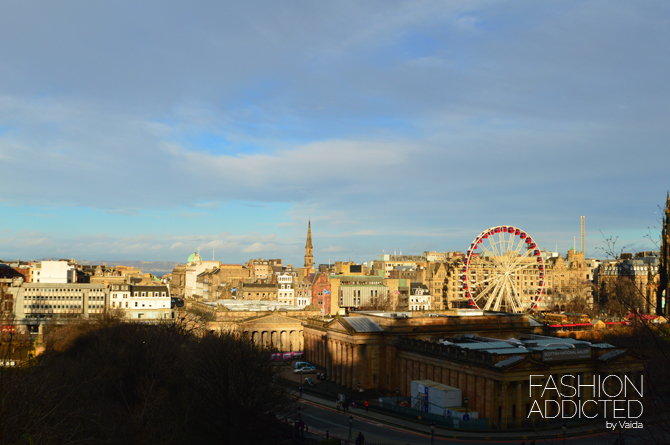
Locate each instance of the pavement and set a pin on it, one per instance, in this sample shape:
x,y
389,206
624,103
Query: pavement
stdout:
x,y
543,433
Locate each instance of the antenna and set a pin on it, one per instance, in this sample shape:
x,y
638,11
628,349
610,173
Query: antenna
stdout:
x,y
582,235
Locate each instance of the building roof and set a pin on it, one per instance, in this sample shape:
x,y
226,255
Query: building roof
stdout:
x,y
363,324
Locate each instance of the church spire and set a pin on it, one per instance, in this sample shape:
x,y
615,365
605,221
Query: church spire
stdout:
x,y
309,257
309,235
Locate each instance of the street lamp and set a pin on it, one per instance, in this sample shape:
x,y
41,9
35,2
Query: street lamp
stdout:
x,y
351,420
432,432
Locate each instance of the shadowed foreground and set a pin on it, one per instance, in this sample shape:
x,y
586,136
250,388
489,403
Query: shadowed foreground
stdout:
x,y
132,383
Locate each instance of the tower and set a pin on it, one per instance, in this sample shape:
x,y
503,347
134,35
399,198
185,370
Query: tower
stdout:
x,y
309,257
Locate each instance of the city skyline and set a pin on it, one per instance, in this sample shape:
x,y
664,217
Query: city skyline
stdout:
x,y
132,132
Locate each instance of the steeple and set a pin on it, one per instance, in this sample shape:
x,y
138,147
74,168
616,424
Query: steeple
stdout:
x,y
309,257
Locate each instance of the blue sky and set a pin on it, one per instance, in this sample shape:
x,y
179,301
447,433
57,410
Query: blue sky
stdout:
x,y
143,130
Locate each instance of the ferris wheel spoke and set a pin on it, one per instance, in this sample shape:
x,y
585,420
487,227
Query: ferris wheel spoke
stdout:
x,y
482,296
493,255
519,245
521,257
525,266
495,297
515,295
509,302
483,281
494,278
510,242
501,237
492,248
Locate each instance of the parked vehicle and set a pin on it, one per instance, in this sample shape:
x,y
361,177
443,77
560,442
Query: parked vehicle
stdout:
x,y
310,382
305,370
301,364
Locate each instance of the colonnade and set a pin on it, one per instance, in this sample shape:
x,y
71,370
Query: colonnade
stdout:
x,y
343,361
280,340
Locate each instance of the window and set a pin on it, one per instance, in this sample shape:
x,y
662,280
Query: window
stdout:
x,y
136,304
144,294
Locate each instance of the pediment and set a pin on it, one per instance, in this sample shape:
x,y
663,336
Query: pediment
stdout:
x,y
338,325
272,319
520,363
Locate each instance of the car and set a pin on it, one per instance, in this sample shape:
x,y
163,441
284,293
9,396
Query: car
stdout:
x,y
309,382
305,370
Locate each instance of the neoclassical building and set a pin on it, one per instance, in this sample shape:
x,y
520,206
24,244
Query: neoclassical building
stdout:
x,y
275,332
489,356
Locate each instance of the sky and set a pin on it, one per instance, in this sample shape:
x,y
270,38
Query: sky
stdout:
x,y
142,130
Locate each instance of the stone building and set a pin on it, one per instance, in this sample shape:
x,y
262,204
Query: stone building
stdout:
x,y
386,263
184,277
632,280
257,291
355,291
419,297
107,275
491,364
42,301
286,290
321,293
566,280
141,302
274,331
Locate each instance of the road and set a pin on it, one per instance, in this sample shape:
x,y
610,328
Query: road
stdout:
x,y
320,419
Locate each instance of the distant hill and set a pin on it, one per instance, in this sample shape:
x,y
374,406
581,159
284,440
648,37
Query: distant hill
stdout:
x,y
158,268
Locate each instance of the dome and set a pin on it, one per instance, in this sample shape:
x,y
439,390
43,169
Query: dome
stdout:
x,y
194,258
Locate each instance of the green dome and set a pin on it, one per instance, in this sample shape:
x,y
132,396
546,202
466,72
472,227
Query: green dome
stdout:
x,y
193,258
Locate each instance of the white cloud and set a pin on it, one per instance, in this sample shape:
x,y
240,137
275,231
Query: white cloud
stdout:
x,y
332,248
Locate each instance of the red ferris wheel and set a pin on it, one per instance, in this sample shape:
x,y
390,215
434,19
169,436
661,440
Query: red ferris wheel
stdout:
x,y
503,271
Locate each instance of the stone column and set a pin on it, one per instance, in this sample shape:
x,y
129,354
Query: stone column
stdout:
x,y
345,363
329,358
489,399
445,376
337,372
402,377
504,406
350,366
520,407
453,378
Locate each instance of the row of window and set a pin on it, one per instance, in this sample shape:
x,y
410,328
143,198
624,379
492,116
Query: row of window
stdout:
x,y
143,294
40,289
63,297
60,306
121,306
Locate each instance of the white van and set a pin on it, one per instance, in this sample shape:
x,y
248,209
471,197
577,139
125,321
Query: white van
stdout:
x,y
299,365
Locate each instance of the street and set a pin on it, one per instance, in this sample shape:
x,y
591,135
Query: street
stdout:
x,y
320,419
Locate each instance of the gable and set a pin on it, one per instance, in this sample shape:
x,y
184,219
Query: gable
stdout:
x,y
338,325
272,319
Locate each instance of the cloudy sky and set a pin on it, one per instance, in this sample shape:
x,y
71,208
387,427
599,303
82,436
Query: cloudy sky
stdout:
x,y
140,130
